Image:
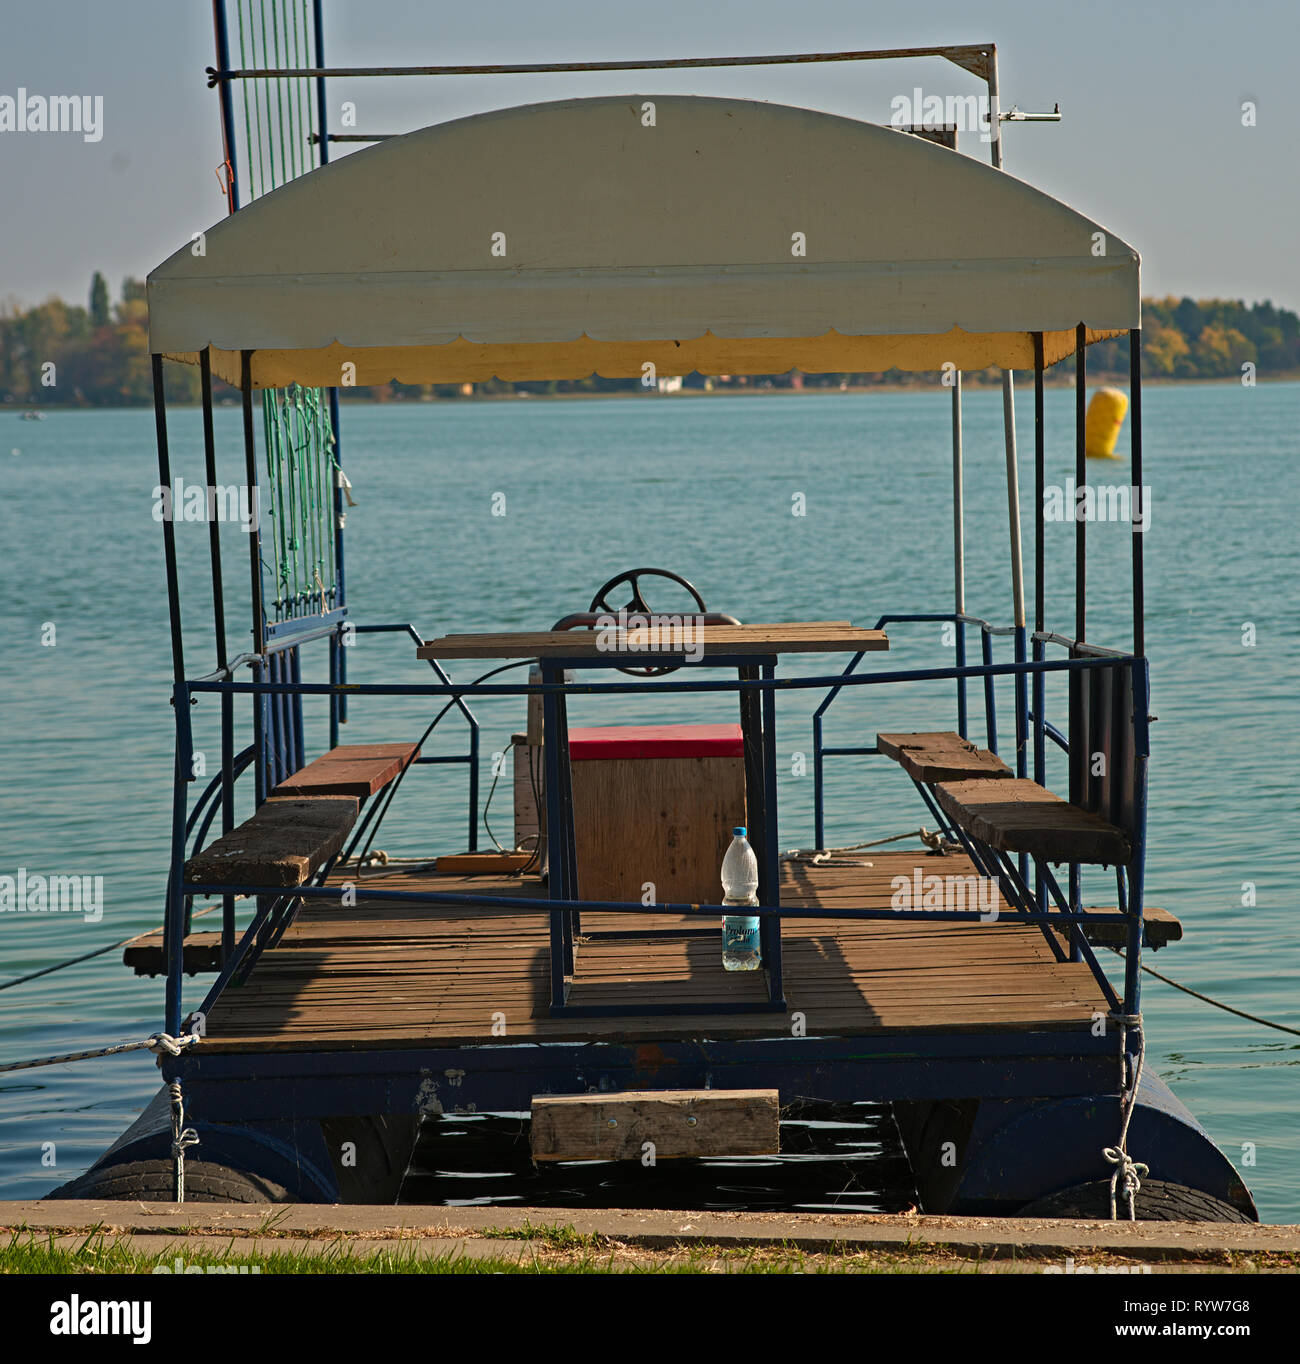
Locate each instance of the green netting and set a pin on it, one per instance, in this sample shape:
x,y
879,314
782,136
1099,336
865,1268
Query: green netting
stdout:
x,y
279,115
299,499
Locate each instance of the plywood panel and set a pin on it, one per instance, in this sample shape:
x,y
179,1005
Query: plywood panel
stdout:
x,y
661,822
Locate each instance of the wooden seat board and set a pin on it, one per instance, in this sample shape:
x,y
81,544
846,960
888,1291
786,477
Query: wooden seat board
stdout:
x,y
284,844
936,756
350,770
1012,814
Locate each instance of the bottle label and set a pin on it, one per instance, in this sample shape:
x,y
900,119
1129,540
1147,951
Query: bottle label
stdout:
x,y
740,935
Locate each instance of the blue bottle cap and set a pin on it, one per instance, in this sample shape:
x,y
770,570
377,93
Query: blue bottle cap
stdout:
x,y
739,829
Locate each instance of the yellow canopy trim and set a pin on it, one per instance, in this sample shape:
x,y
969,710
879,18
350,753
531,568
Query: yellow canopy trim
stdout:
x,y
462,361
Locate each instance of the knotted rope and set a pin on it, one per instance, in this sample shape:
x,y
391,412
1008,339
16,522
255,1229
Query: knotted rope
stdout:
x,y
182,1137
1130,1171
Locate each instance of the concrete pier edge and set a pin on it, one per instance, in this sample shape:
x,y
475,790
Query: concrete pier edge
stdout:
x,y
809,1233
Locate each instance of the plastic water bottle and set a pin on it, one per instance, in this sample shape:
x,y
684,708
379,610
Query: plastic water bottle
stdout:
x,y
740,948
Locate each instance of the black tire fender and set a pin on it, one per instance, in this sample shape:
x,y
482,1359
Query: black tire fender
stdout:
x,y
1157,1201
152,1181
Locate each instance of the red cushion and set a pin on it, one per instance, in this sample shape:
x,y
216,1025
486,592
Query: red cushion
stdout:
x,y
604,742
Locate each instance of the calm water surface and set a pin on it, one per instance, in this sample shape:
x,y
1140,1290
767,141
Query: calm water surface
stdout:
x,y
704,486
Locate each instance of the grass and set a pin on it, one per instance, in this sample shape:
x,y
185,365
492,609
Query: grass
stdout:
x,y
28,1253
550,1234
547,1248
550,1249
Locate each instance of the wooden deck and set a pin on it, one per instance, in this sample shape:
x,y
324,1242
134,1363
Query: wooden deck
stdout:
x,y
388,975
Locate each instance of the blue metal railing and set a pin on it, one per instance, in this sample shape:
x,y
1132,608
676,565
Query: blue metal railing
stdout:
x,y
277,906
1014,881
279,747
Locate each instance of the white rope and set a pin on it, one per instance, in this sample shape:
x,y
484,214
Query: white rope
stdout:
x,y
837,857
182,1137
1130,1171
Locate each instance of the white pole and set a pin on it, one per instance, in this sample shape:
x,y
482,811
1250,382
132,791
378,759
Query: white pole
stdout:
x,y
1008,389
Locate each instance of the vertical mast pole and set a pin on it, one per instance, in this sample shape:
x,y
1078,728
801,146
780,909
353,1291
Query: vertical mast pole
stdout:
x,y
227,104
1013,477
338,655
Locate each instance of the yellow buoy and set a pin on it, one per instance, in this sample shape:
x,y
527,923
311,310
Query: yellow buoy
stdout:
x,y
1102,425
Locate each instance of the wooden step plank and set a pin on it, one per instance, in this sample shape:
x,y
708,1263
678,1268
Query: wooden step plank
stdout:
x,y
1012,814
350,770
284,844
938,755
615,1125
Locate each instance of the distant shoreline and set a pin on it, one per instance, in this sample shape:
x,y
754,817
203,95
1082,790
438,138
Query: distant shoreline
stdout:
x,y
1095,381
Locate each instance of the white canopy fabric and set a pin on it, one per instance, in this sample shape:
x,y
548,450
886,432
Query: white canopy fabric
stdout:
x,y
602,235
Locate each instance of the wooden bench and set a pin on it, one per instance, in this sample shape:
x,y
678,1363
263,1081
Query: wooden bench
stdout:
x,y
284,844
934,756
201,953
350,770
1159,928
304,821
1012,814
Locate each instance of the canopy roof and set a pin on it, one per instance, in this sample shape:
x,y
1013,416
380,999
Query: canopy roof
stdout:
x,y
557,240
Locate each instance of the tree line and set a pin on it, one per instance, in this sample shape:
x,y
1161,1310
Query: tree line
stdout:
x,y
98,355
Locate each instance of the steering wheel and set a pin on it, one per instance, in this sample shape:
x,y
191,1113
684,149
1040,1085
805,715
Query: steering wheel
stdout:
x,y
633,576
637,604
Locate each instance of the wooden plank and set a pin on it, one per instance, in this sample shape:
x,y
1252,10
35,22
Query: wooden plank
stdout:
x,y
672,1123
380,975
1012,814
284,844
937,756
712,639
350,770
481,864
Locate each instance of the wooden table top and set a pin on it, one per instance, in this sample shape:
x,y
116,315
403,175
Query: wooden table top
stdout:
x,y
791,637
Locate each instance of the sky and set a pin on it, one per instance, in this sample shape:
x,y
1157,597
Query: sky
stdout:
x,y
1151,143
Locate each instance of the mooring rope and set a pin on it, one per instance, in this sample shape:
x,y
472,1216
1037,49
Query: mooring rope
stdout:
x,y
1218,1004
1131,1171
157,1042
98,952
182,1136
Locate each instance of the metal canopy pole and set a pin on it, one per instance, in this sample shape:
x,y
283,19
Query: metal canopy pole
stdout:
x,y
1135,447
168,521
255,568
1040,603
219,628
1040,561
1080,479
959,549
183,771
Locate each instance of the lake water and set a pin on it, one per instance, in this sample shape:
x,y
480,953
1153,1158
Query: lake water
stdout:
x,y
706,487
